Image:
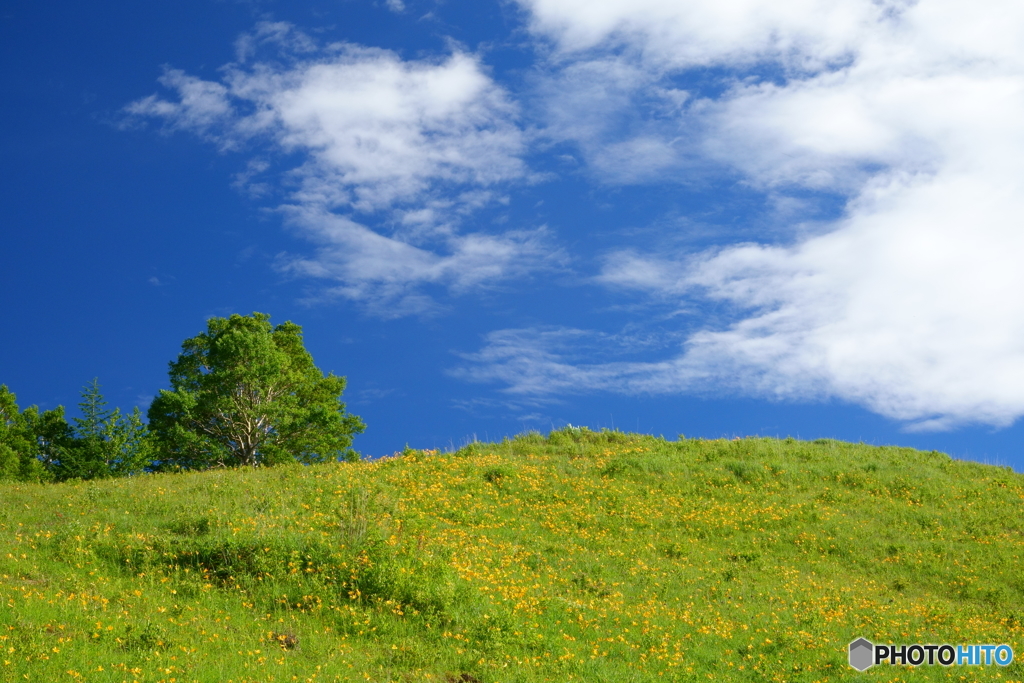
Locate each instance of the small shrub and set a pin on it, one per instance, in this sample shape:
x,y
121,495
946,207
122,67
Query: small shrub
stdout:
x,y
191,526
496,475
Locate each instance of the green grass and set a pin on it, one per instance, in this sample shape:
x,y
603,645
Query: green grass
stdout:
x,y
587,556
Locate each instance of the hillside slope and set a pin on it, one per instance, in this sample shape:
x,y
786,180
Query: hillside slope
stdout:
x,y
579,556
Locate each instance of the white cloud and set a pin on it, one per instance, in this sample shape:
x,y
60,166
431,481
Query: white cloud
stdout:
x,y
804,33
625,122
910,307
409,147
378,130
911,111
541,363
388,275
549,361
278,34
201,105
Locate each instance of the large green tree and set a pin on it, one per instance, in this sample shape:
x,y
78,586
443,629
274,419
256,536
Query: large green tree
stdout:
x,y
247,393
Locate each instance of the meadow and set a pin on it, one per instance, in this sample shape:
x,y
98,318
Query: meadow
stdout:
x,y
579,556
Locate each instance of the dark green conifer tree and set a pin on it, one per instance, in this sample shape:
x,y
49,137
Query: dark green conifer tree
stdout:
x,y
105,443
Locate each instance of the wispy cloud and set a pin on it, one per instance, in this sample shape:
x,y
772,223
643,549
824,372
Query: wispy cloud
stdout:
x,y
393,155
625,121
388,275
547,362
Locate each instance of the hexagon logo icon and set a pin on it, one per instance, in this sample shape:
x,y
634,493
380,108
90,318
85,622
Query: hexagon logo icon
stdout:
x,y
862,654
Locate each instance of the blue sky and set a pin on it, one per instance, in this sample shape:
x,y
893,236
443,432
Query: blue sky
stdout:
x,y
712,218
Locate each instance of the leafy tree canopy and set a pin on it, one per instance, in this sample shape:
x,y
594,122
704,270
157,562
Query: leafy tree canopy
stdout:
x,y
29,439
247,393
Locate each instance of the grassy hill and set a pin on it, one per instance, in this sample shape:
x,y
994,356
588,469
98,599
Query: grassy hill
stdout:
x,y
578,556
